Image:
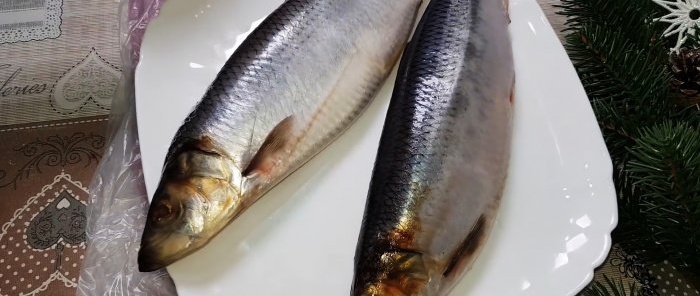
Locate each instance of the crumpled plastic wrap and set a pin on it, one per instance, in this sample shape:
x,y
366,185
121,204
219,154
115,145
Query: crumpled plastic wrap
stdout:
x,y
118,203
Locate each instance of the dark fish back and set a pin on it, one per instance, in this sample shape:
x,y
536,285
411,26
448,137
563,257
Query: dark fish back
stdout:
x,y
417,120
248,71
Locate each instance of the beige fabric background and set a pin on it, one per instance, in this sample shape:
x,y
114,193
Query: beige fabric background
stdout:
x,y
72,75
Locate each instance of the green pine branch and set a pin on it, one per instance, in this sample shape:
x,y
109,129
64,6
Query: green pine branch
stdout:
x,y
665,166
632,18
621,74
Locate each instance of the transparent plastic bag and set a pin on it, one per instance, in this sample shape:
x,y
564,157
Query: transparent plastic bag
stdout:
x,y
118,203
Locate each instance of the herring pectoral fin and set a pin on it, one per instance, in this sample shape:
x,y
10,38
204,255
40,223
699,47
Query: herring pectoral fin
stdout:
x,y
468,249
274,143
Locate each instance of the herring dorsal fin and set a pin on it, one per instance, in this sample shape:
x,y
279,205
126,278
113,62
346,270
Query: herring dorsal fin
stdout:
x,y
274,143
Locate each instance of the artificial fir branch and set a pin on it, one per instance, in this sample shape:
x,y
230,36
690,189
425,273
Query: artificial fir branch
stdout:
x,y
632,18
619,76
665,166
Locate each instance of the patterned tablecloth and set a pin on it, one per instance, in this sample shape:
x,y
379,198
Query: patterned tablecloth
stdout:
x,y
58,71
59,66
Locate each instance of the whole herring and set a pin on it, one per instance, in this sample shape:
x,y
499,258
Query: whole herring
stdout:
x,y
443,155
297,82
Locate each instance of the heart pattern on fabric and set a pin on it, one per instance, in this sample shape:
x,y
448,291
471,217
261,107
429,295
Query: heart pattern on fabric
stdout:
x,y
91,80
44,242
64,203
63,219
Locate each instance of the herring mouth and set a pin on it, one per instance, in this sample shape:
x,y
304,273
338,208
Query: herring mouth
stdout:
x,y
149,258
147,262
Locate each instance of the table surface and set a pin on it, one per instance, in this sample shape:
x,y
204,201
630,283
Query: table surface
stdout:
x,y
557,21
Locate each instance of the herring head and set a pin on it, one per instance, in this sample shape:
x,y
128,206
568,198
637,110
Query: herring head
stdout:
x,y
196,198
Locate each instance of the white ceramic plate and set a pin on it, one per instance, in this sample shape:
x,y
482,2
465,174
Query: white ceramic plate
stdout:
x,y
558,210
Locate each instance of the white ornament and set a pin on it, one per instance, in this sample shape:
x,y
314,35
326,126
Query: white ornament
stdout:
x,y
684,17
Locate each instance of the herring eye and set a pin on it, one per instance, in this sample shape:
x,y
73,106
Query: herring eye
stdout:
x,y
163,212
